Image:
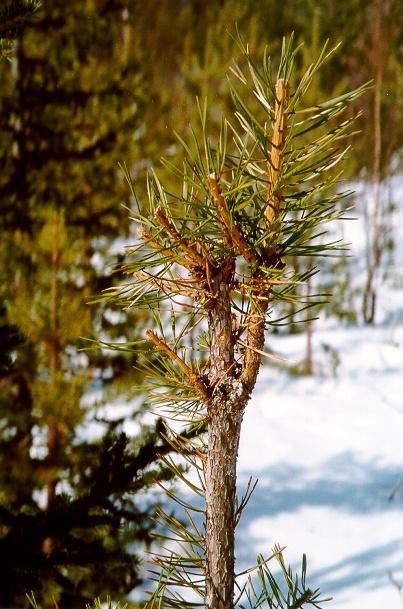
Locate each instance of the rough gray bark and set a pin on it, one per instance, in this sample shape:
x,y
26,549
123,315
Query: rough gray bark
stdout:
x,y
225,412
223,437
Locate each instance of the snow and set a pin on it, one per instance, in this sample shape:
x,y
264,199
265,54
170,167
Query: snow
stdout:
x,y
328,452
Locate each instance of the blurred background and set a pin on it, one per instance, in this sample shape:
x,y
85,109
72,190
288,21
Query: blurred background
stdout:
x,y
95,83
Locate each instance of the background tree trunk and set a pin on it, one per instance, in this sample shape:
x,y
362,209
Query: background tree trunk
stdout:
x,y
379,16
375,219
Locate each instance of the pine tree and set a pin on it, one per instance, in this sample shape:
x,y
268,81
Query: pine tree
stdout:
x,y
69,102
214,258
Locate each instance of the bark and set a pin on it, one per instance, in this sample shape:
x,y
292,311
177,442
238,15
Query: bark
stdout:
x,y
254,345
223,438
220,326
225,411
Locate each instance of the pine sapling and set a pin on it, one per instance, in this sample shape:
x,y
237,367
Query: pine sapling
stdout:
x,y
212,260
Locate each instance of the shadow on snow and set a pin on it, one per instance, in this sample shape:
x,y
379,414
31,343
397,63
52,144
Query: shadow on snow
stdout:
x,y
343,482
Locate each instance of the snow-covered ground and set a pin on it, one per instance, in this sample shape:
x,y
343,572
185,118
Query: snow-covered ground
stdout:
x,y
328,453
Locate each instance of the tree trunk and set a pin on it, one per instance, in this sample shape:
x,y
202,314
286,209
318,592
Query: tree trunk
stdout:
x,y
54,439
370,290
379,59
225,412
53,426
223,442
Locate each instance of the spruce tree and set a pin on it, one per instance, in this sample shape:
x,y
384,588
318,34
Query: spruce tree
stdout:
x,y
213,258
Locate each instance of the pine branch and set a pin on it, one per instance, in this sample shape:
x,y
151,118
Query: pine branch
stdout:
x,y
173,287
254,344
194,378
150,240
196,260
232,235
304,598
